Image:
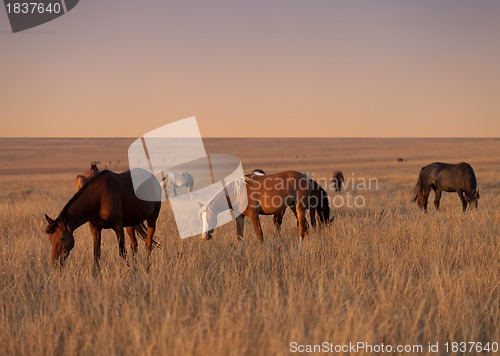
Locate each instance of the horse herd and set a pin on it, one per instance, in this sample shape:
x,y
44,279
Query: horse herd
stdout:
x,y
107,200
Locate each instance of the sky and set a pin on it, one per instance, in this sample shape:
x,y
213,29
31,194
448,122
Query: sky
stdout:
x,y
260,68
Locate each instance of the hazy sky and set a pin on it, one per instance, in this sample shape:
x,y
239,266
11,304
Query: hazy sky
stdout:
x,y
256,68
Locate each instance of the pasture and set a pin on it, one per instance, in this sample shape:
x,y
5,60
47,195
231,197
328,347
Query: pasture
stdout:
x,y
382,273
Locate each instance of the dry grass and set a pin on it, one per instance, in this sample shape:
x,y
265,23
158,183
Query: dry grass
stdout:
x,y
385,273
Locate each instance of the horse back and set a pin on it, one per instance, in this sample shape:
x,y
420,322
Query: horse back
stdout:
x,y
449,177
118,199
287,188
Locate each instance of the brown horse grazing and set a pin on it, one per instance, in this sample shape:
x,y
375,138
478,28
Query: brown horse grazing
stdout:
x,y
337,180
317,202
81,179
266,195
107,201
444,177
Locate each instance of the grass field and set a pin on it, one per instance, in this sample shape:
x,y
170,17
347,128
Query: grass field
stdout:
x,y
383,273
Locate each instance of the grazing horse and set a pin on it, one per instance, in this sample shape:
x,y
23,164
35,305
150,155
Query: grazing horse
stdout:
x,y
179,180
108,201
81,179
318,202
337,180
266,195
444,177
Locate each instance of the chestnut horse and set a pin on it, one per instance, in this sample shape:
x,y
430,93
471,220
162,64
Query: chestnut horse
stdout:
x,y
265,195
81,179
445,177
108,201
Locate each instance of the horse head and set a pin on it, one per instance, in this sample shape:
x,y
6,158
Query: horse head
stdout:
x,y
473,198
61,238
208,220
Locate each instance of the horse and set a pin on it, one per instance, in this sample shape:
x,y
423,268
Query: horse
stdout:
x,y
265,195
81,179
317,202
337,180
107,201
178,180
445,177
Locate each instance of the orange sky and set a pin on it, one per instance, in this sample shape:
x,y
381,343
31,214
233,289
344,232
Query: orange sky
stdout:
x,y
256,68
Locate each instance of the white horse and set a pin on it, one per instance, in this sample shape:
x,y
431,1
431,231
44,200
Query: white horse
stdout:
x,y
178,180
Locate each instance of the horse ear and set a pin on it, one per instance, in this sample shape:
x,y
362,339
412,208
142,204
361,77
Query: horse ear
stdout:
x,y
49,220
200,204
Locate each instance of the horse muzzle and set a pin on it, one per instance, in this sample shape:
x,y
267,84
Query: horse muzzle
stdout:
x,y
206,236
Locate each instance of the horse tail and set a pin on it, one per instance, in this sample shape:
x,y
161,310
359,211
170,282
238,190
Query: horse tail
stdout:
x,y
418,191
142,231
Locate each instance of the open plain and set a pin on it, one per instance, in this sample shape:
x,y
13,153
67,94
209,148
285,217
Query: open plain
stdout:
x,y
382,273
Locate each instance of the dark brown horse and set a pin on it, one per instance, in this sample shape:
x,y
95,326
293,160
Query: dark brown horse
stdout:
x,y
444,177
107,201
337,180
265,195
318,202
81,179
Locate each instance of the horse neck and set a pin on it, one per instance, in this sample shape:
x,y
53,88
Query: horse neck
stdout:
x,y
219,202
79,211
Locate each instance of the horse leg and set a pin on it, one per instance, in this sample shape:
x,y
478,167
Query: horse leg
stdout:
x,y
257,227
312,215
240,226
96,235
301,218
425,198
437,197
121,240
149,238
460,193
133,239
278,219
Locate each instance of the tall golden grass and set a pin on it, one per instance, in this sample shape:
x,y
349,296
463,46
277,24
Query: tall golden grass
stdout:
x,y
384,273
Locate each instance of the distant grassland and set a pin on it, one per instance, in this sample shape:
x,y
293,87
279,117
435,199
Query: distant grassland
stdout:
x,y
383,273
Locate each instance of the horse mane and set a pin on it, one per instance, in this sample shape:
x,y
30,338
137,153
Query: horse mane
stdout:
x,y
51,228
209,205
